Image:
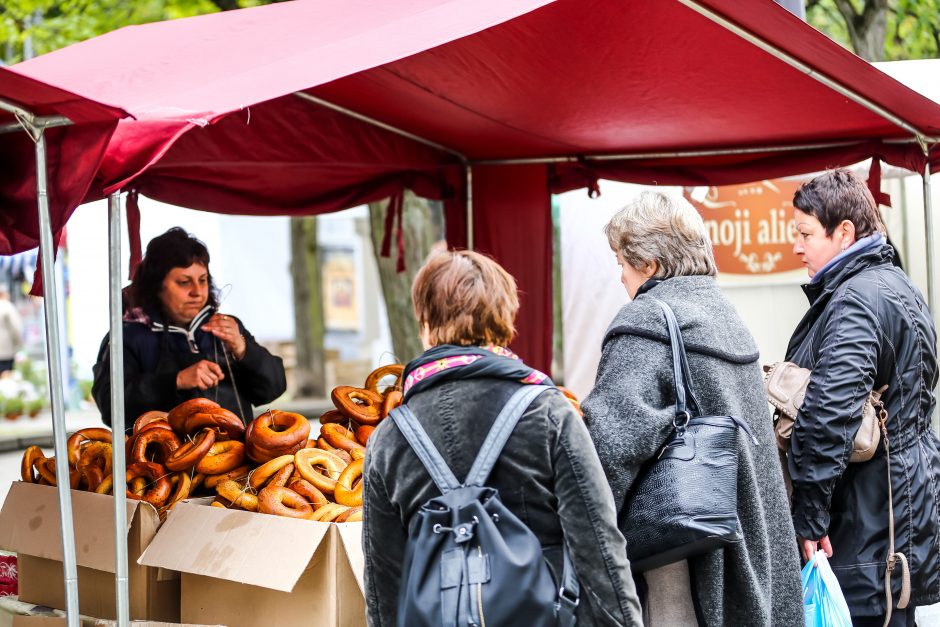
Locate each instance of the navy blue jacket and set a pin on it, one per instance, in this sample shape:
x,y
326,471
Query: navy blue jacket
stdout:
x,y
155,353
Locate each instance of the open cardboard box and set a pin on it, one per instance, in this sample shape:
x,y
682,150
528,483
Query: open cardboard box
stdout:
x,y
56,621
244,569
30,526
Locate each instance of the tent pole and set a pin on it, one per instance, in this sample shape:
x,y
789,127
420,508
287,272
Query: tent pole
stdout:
x,y
802,67
665,155
119,463
929,226
468,169
54,359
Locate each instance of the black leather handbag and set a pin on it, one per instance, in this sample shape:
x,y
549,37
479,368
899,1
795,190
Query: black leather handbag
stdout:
x,y
685,501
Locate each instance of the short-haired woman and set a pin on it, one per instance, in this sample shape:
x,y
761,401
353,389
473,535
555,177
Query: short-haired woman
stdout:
x,y
664,254
177,345
548,474
867,327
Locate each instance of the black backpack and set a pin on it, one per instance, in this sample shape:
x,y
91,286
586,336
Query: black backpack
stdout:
x,y
469,560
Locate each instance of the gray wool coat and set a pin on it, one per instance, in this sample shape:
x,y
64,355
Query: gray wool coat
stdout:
x,y
629,415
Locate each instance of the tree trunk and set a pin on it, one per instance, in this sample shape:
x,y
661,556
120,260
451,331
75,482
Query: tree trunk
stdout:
x,y
309,328
423,227
868,29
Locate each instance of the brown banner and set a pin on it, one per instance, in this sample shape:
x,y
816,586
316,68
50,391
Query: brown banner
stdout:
x,y
750,225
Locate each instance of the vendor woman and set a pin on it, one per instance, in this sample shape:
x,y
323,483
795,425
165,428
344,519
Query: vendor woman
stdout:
x,y
177,346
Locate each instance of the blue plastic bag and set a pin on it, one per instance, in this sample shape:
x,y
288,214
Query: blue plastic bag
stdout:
x,y
823,602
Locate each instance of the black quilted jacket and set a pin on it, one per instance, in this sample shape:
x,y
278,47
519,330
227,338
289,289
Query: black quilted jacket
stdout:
x,y
868,326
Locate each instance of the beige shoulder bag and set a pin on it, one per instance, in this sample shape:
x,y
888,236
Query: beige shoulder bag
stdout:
x,y
785,384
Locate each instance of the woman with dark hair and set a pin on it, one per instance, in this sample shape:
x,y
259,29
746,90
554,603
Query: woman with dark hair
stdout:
x,y
867,327
177,346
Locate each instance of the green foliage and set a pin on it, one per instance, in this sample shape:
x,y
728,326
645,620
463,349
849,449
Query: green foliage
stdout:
x,y
913,26
53,24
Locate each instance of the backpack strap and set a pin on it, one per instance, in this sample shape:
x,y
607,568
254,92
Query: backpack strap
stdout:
x,y
418,438
499,433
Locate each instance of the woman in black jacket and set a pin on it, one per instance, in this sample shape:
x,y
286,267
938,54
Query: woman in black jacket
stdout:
x,y
178,347
548,474
867,327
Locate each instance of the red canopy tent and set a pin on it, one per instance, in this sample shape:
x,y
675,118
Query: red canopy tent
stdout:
x,y
49,138
317,105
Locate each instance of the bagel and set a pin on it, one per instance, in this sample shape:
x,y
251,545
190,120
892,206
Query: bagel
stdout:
x,y
74,444
183,485
348,490
179,414
391,401
376,376
363,433
154,445
96,454
324,445
307,490
334,415
572,399
307,459
277,430
262,454
283,502
30,456
212,481
342,438
363,406
237,495
353,514
90,477
329,512
106,486
222,457
191,453
157,489
228,425
147,418
265,471
47,472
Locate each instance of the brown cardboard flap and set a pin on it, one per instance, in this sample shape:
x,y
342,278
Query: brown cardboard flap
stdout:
x,y
55,621
351,535
256,549
30,524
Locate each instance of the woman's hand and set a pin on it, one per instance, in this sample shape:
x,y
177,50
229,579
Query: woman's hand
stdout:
x,y
202,374
226,329
809,547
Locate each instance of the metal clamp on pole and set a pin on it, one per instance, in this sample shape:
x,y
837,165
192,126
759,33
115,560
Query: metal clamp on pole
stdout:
x,y
119,463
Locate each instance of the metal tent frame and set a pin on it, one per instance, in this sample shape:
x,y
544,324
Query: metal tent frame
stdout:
x,y
35,126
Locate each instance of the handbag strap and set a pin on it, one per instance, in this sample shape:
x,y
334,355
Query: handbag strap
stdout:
x,y
894,557
686,403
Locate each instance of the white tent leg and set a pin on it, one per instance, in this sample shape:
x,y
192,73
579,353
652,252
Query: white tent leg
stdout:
x,y
57,397
116,349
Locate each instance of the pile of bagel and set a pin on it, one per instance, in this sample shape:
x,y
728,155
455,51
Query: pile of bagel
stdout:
x,y
272,467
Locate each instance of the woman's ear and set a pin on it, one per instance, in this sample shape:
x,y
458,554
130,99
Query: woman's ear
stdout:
x,y
846,230
651,269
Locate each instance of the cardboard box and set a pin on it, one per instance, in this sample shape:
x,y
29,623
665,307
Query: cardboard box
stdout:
x,y
30,526
55,621
244,569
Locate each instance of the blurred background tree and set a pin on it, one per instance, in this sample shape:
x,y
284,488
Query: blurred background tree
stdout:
x,y
880,30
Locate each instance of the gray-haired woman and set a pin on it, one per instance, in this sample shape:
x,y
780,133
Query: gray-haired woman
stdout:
x,y
664,253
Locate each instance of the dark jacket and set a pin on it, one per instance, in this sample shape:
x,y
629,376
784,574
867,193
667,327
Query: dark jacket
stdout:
x,y
630,413
868,326
154,354
548,475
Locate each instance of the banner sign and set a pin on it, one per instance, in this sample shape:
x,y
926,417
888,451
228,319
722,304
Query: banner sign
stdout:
x,y
750,225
